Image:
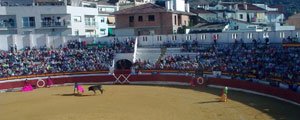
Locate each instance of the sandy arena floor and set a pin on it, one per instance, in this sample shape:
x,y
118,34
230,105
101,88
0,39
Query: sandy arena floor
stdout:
x,y
131,102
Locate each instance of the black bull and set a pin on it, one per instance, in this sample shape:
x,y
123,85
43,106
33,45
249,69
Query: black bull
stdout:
x,y
96,87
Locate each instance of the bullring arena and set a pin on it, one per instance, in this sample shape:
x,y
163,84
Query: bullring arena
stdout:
x,y
144,96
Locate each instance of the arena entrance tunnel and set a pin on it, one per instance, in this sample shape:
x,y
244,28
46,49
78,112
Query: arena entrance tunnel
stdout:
x,y
123,64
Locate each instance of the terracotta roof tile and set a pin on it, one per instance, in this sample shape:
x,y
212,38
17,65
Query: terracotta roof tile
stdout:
x,y
249,7
145,8
197,11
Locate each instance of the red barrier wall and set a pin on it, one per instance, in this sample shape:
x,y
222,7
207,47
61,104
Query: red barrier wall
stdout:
x,y
102,78
282,93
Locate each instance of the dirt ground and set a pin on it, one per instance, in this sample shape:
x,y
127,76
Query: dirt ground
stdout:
x,y
131,102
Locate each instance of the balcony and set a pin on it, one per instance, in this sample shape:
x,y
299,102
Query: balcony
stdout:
x,y
28,24
90,22
7,25
7,22
55,21
90,25
55,24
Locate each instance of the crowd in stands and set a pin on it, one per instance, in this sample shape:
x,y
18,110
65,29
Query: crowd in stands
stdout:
x,y
238,60
126,46
123,46
75,57
291,40
262,61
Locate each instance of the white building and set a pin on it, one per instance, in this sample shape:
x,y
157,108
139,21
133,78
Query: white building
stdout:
x,y
53,17
124,4
250,17
106,23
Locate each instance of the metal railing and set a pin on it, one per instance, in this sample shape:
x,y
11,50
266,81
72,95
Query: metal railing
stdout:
x,y
55,24
8,25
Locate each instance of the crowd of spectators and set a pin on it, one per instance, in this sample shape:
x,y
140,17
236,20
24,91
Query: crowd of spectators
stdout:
x,y
291,40
75,57
238,60
268,62
125,46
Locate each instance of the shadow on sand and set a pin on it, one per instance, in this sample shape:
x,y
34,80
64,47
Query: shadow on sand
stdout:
x,y
205,102
74,94
277,109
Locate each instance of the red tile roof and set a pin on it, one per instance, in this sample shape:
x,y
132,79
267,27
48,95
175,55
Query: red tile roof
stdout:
x,y
145,8
148,8
202,11
241,6
295,16
279,7
249,7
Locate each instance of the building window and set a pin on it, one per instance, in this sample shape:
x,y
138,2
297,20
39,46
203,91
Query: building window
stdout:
x,y
249,35
188,37
102,31
234,36
202,36
28,22
266,35
282,35
151,18
215,36
107,9
102,20
90,21
77,32
140,18
145,39
77,18
131,18
241,16
158,38
175,20
174,37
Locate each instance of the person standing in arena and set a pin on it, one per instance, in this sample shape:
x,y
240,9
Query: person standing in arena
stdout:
x,y
76,87
224,94
49,82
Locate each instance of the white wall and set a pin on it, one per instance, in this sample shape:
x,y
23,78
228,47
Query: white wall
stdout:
x,y
102,25
211,17
5,42
38,11
38,40
81,11
179,5
274,18
241,13
281,28
128,56
2,10
124,32
33,11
